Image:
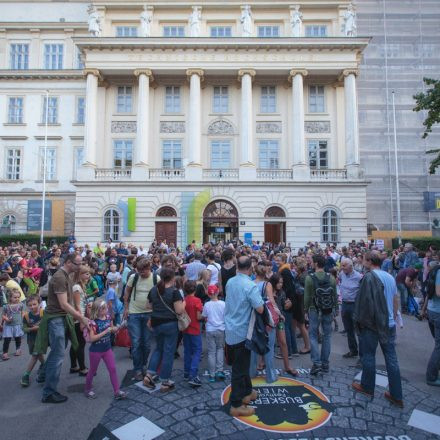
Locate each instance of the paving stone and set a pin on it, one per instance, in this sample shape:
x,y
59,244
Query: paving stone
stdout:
x,y
206,432
348,412
364,414
375,428
128,418
358,424
182,427
164,421
152,414
340,422
182,414
226,428
167,408
111,426
198,422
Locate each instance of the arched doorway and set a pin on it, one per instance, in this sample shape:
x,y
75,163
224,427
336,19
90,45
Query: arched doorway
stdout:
x,y
220,222
166,229
275,225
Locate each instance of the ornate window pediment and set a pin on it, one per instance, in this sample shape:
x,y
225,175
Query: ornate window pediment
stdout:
x,y
220,127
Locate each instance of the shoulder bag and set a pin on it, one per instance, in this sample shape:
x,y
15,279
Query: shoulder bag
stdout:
x,y
183,320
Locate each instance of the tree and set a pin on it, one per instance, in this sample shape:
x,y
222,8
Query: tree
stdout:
x,y
430,101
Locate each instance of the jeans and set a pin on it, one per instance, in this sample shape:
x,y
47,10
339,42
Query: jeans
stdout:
x,y
215,342
54,361
347,319
316,320
290,333
434,361
140,335
192,349
271,375
77,357
163,355
241,385
368,340
403,296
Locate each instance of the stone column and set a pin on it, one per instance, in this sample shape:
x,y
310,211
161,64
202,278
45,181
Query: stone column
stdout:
x,y
351,124
91,123
141,158
194,148
247,166
301,169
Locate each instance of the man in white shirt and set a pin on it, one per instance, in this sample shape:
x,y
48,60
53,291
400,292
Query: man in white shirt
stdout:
x,y
214,268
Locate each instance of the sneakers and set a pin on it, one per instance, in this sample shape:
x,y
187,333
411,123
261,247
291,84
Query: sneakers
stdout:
x,y
54,398
391,399
195,382
278,356
325,368
120,395
186,376
25,380
211,378
220,375
91,395
350,354
360,389
241,411
434,383
315,369
250,397
41,378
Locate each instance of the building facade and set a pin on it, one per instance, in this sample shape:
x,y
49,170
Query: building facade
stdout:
x,y
183,121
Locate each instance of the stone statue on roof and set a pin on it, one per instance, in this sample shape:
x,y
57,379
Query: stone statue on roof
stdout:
x,y
350,27
146,20
194,21
246,21
296,21
94,21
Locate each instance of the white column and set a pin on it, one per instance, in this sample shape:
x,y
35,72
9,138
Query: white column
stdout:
x,y
194,169
301,169
351,124
247,165
142,131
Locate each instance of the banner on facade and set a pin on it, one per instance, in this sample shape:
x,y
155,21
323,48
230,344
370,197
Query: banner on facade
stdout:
x,y
34,213
131,220
431,201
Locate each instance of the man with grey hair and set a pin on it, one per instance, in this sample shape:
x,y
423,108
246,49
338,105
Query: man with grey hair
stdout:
x,y
410,256
349,281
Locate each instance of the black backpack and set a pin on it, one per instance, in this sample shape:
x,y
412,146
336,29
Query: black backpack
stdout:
x,y
323,297
135,280
430,281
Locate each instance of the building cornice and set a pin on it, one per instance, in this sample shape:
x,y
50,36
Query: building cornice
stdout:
x,y
42,74
35,26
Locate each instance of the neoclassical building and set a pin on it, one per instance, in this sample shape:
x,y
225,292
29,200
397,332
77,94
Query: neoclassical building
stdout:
x,y
182,120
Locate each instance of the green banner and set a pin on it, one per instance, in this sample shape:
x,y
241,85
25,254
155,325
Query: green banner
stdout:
x,y
131,220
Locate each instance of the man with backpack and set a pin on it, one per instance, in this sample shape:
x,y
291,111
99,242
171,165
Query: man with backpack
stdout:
x,y
320,302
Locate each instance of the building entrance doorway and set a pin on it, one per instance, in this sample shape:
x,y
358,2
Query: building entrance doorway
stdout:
x,y
275,228
220,222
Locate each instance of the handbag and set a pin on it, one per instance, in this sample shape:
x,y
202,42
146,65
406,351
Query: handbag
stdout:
x,y
270,306
122,338
183,320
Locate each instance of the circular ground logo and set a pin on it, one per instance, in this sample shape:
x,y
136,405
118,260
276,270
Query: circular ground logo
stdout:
x,y
286,406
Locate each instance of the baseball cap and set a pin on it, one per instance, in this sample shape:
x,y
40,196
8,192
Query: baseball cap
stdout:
x,y
212,290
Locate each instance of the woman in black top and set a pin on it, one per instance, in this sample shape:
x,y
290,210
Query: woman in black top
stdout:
x,y
227,271
166,303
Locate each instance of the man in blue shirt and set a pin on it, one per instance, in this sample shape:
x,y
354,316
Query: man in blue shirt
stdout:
x,y
193,269
242,297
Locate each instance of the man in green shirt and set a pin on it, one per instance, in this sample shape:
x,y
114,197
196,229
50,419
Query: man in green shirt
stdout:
x,y
320,303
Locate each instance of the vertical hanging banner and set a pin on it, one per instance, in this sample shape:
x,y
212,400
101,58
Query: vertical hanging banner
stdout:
x,y
131,221
123,207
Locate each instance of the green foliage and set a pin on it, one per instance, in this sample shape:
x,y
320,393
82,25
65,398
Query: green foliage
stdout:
x,y
420,243
430,101
6,240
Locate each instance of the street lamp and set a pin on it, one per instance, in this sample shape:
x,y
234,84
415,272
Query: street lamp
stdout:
x,y
399,223
43,202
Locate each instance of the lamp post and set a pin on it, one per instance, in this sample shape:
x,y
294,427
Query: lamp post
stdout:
x,y
399,223
43,202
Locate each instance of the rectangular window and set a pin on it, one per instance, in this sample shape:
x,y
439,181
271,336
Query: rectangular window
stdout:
x,y
52,110
123,154
80,109
15,110
19,56
316,30
79,61
126,31
53,56
172,99
78,159
268,31
174,31
51,163
13,163
316,99
220,154
318,154
221,31
268,154
221,100
125,99
268,99
172,154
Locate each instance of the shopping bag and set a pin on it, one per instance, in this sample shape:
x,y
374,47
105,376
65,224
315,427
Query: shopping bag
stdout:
x,y
122,338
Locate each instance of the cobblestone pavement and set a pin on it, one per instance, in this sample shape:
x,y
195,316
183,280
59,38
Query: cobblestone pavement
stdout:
x,y
188,413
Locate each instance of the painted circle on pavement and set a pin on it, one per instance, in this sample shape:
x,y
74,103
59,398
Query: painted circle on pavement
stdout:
x,y
286,406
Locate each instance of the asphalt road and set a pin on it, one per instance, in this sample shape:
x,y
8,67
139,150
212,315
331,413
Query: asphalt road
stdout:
x,y
22,415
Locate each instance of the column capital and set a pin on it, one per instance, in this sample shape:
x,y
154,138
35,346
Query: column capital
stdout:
x,y
243,72
295,72
94,72
348,72
147,72
199,72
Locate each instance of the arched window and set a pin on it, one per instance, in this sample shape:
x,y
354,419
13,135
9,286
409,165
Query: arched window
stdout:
x,y
8,224
275,211
111,225
220,209
330,226
166,211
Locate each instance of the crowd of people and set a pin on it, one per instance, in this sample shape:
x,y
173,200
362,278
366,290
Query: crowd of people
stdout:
x,y
166,297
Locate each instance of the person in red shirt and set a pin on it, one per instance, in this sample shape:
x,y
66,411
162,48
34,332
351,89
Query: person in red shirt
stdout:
x,y
192,339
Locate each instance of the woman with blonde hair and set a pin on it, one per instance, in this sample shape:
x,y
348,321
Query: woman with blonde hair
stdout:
x,y
202,285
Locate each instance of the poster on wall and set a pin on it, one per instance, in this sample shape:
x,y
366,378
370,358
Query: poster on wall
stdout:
x,y
34,215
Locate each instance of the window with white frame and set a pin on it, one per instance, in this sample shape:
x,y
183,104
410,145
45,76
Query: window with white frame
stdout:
x,y
220,154
330,226
123,153
13,163
15,110
125,99
318,154
111,224
221,31
174,31
268,31
172,99
268,99
51,163
316,30
79,60
8,225
53,56
172,153
126,31
80,109
78,159
220,103
50,107
269,154
316,99
19,56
